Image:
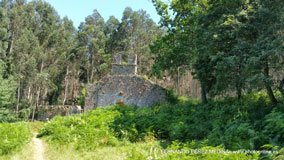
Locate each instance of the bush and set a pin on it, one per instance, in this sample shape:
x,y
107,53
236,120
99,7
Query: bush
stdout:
x,y
13,136
274,127
86,131
7,116
233,124
171,97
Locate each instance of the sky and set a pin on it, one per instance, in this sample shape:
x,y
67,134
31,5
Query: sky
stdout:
x,y
77,10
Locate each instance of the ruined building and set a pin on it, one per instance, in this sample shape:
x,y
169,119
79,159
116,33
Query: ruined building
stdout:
x,y
124,86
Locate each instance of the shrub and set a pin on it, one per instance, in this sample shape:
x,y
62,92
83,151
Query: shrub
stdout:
x,y
7,116
233,124
13,136
274,127
86,131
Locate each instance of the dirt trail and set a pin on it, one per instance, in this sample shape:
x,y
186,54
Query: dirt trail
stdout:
x,y
38,148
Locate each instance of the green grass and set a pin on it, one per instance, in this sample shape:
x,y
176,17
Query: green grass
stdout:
x,y
86,131
13,136
25,153
122,151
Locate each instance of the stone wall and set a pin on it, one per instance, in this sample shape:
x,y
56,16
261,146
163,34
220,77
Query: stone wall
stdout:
x,y
90,96
47,112
125,89
123,86
121,69
124,69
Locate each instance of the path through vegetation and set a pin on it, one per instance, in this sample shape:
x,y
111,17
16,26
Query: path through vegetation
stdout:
x,y
38,148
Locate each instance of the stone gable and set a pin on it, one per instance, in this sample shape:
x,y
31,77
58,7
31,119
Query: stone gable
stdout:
x,y
124,86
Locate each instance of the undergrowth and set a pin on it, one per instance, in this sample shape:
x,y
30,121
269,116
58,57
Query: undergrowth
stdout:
x,y
13,136
247,124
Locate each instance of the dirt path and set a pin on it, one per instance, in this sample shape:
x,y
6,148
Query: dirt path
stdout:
x,y
38,148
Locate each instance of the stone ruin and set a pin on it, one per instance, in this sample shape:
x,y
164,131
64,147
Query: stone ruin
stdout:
x,y
46,112
124,86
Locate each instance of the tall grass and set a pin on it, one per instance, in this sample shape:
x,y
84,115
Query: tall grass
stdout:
x,y
87,131
13,136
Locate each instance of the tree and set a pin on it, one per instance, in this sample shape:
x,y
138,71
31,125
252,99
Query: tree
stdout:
x,y
232,45
267,42
134,35
187,42
7,88
26,49
3,30
111,27
91,42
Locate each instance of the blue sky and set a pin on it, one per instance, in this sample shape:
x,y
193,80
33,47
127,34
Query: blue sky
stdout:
x,y
77,10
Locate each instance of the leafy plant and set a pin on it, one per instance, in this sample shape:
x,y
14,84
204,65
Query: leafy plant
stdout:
x,y
13,136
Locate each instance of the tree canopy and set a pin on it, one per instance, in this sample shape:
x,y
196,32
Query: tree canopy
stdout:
x,y
46,60
234,45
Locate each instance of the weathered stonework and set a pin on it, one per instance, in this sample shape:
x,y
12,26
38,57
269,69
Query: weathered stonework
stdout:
x,y
47,112
120,69
124,86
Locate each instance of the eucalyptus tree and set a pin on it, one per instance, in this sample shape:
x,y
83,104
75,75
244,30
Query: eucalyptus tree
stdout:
x,y
4,30
7,90
134,35
111,27
92,41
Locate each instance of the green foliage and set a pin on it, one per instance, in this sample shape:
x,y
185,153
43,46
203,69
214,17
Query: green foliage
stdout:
x,y
81,99
13,136
229,45
86,131
171,97
7,88
187,151
25,109
7,116
219,126
46,59
274,127
7,95
230,123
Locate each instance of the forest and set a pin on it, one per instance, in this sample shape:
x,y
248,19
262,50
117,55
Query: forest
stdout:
x,y
233,48
46,60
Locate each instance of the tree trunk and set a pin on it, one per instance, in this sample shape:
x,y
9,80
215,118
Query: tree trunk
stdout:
x,y
280,87
36,104
18,98
91,78
30,95
66,86
239,93
203,94
238,89
37,94
269,90
270,93
238,82
10,45
178,82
